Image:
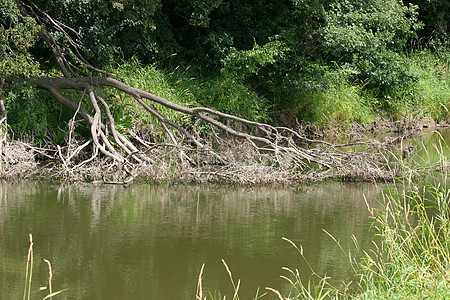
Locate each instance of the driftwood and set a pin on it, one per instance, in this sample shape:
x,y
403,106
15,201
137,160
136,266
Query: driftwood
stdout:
x,y
270,155
256,153
282,149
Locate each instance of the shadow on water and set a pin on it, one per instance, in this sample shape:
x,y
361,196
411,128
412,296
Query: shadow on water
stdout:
x,y
149,242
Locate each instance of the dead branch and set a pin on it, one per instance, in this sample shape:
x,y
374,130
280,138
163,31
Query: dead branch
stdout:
x,y
237,154
288,150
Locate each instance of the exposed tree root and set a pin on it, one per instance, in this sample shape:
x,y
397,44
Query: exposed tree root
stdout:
x,y
271,154
255,153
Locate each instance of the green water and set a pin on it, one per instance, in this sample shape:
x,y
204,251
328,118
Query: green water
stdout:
x,y
433,146
149,242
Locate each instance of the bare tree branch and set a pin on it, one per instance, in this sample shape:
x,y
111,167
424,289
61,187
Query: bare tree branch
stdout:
x,y
282,148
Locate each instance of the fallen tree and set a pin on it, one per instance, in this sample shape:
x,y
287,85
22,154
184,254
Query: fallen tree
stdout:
x,y
281,148
257,152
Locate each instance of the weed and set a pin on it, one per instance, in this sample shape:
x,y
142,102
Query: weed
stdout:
x,y
410,259
29,275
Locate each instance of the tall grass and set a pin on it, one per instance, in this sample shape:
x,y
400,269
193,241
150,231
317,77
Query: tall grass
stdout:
x,y
309,289
150,79
183,86
217,295
432,91
410,257
340,104
344,99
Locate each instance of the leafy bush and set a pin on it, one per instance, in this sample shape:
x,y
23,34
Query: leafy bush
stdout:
x,y
340,104
35,114
366,37
17,35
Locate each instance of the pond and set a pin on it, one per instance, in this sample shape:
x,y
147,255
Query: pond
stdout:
x,y
150,242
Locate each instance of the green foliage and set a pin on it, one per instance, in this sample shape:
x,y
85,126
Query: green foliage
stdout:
x,y
120,112
364,37
17,35
201,30
109,29
31,112
34,113
198,12
428,95
339,105
434,14
235,24
246,56
241,64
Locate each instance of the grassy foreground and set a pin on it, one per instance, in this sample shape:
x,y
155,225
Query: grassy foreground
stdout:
x,y
411,254
412,260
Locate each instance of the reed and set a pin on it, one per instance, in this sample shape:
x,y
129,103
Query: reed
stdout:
x,y
410,257
217,295
29,275
29,271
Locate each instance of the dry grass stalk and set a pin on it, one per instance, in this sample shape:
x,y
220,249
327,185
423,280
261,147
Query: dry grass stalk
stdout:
x,y
199,293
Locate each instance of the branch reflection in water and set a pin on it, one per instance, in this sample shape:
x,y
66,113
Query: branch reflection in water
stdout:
x,y
111,242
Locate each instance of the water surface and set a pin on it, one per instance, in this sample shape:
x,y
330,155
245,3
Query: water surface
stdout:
x,y
149,242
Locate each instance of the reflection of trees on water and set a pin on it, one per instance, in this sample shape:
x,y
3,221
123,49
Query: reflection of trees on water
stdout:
x,y
105,238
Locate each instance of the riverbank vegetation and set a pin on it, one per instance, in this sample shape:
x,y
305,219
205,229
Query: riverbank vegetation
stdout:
x,y
409,258
412,260
242,92
216,90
